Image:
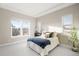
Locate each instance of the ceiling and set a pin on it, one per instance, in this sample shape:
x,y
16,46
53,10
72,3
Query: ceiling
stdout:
x,y
34,9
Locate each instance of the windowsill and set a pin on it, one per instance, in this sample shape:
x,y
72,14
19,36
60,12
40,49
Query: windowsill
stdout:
x,y
20,36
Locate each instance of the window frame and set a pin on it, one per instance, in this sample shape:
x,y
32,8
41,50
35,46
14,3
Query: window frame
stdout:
x,y
21,31
64,26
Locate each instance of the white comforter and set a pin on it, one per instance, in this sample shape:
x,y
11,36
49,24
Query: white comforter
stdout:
x,y
54,42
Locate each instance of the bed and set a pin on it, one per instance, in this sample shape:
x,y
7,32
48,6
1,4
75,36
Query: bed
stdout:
x,y
42,45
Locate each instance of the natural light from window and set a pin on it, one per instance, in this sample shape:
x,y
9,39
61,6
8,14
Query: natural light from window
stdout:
x,y
55,29
20,28
67,21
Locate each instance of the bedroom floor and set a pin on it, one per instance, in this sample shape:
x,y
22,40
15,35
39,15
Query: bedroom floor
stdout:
x,y
21,49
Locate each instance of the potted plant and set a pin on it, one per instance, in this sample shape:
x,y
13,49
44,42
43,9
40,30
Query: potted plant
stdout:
x,y
74,38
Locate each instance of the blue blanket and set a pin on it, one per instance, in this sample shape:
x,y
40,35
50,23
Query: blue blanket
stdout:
x,y
39,41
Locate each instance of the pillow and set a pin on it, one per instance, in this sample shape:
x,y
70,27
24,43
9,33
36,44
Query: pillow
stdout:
x,y
51,34
47,34
55,34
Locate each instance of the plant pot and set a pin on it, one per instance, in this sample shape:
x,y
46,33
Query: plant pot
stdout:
x,y
75,49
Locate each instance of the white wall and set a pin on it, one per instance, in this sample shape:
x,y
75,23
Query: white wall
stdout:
x,y
55,19
5,30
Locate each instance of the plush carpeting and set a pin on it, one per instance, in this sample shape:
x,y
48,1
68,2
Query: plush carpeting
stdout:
x,y
21,49
63,50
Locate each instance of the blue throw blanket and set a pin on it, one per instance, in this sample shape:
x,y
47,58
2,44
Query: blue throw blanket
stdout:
x,y
39,41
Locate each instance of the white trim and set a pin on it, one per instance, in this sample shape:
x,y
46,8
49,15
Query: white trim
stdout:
x,y
6,44
59,7
56,8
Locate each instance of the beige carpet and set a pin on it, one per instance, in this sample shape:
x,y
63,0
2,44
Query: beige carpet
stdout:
x,y
21,49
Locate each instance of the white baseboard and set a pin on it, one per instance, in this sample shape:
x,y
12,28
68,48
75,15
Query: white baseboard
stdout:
x,y
11,43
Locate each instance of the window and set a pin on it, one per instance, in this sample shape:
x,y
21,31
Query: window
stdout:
x,y
67,23
19,28
25,28
54,29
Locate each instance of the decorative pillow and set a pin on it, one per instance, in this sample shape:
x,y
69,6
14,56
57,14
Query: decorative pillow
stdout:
x,y
55,34
47,34
51,34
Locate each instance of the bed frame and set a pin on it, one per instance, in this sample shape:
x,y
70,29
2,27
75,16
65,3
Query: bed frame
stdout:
x,y
54,42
